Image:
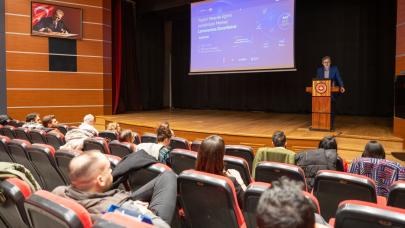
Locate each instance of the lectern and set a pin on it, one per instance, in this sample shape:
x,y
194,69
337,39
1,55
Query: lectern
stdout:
x,y
322,90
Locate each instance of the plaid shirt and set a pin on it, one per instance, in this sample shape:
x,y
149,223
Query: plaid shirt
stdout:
x,y
383,172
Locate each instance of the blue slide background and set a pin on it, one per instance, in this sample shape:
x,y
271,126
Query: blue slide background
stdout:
x,y
237,35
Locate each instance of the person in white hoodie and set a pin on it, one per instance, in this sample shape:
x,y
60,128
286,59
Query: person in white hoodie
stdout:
x,y
159,150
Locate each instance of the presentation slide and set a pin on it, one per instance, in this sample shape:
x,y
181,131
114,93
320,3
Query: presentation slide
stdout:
x,y
242,35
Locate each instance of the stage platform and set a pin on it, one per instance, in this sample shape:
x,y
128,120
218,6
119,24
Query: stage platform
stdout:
x,y
256,128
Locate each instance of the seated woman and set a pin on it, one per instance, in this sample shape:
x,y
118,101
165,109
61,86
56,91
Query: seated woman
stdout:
x,y
328,143
373,164
113,126
128,136
210,159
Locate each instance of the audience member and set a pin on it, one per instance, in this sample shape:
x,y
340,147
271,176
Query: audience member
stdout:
x,y
283,205
328,143
88,124
115,127
33,121
75,139
128,136
277,153
91,180
210,159
160,150
373,164
312,161
4,119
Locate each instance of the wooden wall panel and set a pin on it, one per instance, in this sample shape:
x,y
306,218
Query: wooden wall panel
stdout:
x,y
47,80
31,87
56,97
400,66
399,128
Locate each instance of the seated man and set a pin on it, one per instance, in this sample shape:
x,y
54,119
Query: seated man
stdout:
x,y
50,123
33,121
283,205
91,179
88,124
278,153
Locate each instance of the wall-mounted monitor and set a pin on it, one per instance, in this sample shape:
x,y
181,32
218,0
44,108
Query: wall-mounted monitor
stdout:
x,y
56,21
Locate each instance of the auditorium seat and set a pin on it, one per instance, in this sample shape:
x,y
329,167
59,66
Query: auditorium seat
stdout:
x,y
18,150
114,160
120,149
272,171
179,143
22,133
45,209
63,158
37,136
109,135
239,164
148,138
209,200
55,139
137,138
43,158
4,152
396,196
313,201
96,143
119,220
141,177
360,214
8,131
12,210
181,160
63,129
195,145
15,123
333,187
245,152
251,200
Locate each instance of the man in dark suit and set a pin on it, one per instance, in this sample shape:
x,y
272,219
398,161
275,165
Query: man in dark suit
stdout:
x,y
331,72
52,24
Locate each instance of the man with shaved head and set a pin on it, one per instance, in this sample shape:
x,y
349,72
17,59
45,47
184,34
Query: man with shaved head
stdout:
x,y
91,180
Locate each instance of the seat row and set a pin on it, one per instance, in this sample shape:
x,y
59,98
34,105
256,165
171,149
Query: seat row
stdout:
x,y
52,138
48,167
24,208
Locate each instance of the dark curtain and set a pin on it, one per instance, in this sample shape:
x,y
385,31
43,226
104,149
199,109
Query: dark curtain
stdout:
x,y
150,51
126,82
359,35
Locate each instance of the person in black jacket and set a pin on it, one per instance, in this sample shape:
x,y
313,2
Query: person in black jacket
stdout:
x,y
312,161
328,143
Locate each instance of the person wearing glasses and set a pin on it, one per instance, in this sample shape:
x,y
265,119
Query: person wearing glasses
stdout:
x,y
331,72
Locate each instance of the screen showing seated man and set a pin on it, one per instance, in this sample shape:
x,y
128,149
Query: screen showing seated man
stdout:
x,y
56,21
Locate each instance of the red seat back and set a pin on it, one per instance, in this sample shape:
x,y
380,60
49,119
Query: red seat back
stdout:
x,y
241,165
120,149
179,143
12,210
45,209
96,143
181,160
4,153
354,213
63,158
271,171
43,158
333,187
251,200
209,200
396,196
245,152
